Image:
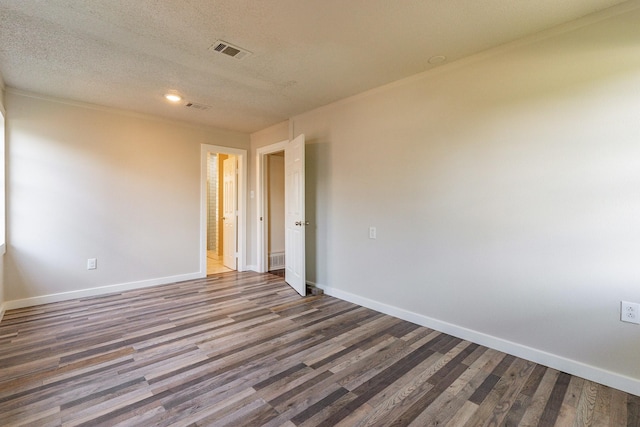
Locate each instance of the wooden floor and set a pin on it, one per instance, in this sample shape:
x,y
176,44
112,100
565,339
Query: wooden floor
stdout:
x,y
242,349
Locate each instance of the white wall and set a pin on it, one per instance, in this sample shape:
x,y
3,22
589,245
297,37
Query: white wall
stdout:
x,y
87,182
506,194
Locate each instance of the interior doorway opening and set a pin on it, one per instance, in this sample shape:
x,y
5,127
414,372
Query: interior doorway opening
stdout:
x,y
216,214
223,209
274,217
294,208
262,163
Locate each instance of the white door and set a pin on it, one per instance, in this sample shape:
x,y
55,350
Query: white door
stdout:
x,y
229,208
295,274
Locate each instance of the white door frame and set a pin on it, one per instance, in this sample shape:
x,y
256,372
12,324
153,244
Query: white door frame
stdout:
x,y
261,203
205,150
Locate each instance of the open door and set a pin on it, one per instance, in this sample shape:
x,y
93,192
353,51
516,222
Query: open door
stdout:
x,y
295,274
229,209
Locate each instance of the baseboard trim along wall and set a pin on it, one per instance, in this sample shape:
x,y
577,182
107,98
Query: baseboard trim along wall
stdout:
x,y
101,290
611,379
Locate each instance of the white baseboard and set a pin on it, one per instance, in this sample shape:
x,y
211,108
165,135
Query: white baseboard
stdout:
x,y
592,373
101,290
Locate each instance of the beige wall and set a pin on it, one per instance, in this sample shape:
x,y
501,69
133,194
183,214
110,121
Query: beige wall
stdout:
x,y
505,192
87,182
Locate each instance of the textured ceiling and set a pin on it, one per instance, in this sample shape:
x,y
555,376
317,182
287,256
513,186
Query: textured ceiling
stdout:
x,y
306,53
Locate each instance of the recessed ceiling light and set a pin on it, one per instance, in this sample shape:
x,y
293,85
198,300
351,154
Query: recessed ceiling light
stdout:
x,y
173,97
437,59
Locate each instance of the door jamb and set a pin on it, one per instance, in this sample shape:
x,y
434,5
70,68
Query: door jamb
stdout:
x,y
241,226
261,203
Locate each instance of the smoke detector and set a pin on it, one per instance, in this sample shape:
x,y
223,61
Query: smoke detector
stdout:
x,y
228,49
437,59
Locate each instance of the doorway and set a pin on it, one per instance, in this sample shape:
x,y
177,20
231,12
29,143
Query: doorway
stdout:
x,y
219,213
274,215
223,205
262,203
294,220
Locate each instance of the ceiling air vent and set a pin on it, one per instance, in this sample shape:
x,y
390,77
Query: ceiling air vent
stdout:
x,y
197,106
229,49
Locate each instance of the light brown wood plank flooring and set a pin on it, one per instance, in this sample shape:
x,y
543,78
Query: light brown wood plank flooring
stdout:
x,y
242,349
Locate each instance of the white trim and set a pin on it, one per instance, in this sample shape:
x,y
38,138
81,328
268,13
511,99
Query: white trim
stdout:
x,y
241,154
101,290
573,367
261,205
3,309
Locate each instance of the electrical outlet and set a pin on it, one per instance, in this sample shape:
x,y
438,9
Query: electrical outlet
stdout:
x,y
92,264
372,232
630,312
